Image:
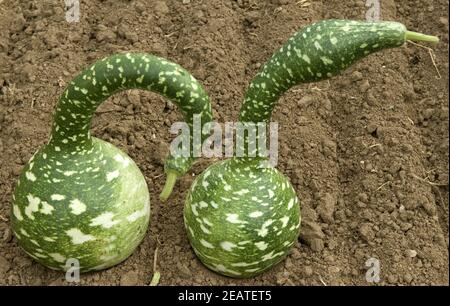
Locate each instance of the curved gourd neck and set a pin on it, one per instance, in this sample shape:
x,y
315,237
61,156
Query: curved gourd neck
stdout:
x,y
315,53
110,75
77,105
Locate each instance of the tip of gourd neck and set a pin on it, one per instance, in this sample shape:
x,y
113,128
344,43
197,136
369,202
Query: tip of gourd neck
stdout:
x,y
171,179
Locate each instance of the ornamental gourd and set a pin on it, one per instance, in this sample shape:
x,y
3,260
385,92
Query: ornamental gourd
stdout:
x,y
80,197
241,216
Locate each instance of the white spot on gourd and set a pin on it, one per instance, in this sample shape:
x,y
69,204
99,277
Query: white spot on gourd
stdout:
x,y
33,206
317,45
263,231
227,245
69,173
255,214
30,176
104,220
57,257
242,191
284,221
222,268
326,60
244,264
194,209
77,207
261,245
206,244
206,221
290,204
120,159
140,79
17,213
112,175
78,237
306,58
46,208
24,232
214,204
271,255
139,213
191,231
57,197
244,242
234,218
204,229
205,184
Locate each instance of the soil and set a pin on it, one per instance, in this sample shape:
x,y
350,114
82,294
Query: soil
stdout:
x,y
367,151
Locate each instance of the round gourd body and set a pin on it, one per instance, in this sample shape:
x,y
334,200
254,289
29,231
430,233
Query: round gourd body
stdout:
x,y
241,220
91,205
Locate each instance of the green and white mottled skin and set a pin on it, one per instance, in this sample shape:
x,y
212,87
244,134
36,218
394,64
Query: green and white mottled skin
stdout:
x,y
241,216
239,228
82,198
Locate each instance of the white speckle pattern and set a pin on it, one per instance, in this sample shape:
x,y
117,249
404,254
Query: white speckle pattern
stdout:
x,y
78,237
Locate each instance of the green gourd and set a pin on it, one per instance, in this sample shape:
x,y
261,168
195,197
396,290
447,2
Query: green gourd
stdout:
x,y
241,216
80,197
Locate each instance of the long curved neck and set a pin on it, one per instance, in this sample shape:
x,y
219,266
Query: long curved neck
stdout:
x,y
318,52
116,73
315,53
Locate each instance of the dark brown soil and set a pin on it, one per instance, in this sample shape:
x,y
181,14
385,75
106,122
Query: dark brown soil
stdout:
x,y
367,151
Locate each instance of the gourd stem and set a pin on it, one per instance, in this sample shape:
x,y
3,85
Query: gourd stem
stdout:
x,y
410,35
168,187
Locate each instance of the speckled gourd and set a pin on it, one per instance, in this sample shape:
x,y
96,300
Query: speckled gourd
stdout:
x,y
80,197
242,217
